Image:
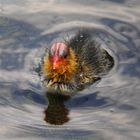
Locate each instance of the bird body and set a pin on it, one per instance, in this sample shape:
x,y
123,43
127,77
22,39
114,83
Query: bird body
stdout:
x,y
73,65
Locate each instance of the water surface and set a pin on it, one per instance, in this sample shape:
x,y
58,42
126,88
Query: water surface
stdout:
x,y
108,110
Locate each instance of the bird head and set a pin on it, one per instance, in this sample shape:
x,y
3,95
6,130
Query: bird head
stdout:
x,y
59,68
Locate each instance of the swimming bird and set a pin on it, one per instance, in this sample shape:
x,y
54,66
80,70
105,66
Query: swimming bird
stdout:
x,y
72,65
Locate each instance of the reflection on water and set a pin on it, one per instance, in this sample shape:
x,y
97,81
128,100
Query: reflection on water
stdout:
x,y
108,110
56,112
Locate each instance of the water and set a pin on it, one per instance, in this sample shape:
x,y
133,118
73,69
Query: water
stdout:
x,y
108,110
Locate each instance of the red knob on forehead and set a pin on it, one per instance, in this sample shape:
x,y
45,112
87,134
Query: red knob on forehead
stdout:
x,y
58,51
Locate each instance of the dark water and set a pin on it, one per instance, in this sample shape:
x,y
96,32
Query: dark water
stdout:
x,y
107,110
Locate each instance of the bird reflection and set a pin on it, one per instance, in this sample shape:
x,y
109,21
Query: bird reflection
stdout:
x,y
56,113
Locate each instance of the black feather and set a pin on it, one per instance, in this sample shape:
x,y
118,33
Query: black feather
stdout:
x,y
89,51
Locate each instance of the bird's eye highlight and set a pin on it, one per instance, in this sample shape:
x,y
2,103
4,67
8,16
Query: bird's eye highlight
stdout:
x,y
63,53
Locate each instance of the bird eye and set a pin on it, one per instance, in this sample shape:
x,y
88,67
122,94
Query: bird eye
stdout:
x,y
63,53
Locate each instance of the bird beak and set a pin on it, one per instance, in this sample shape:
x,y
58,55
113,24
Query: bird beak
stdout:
x,y
56,62
55,65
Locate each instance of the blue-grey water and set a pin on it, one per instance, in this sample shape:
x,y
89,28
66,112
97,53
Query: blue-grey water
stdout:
x,y
109,110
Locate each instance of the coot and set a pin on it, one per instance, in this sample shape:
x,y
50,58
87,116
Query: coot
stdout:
x,y
74,64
